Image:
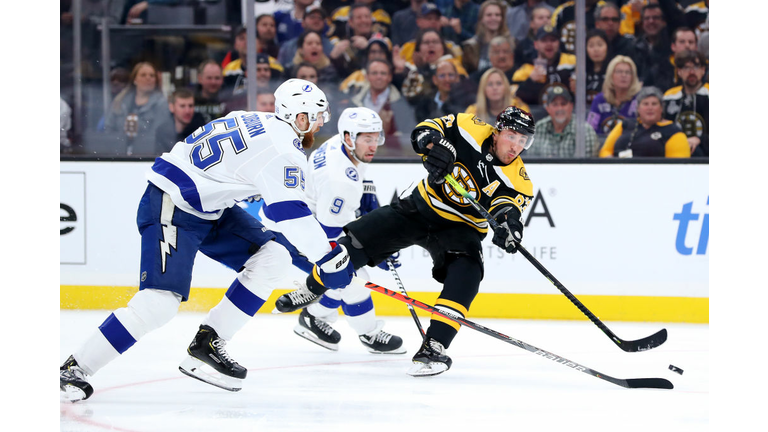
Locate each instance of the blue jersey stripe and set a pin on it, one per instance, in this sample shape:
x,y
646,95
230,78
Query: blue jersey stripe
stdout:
x,y
332,232
286,210
186,185
357,308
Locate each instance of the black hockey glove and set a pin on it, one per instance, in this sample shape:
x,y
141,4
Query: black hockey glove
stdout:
x,y
510,232
439,161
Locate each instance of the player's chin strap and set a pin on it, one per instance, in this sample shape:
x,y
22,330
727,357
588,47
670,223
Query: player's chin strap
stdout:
x,y
352,152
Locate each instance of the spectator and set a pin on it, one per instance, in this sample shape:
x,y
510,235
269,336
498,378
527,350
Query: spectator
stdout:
x,y
459,18
179,123
556,133
65,126
501,54
617,100
347,53
652,47
696,16
494,94
549,68
688,104
265,101
491,24
519,18
428,19
239,44
525,51
266,35
683,39
597,62
379,94
430,48
608,19
307,72
314,19
649,135
289,22
310,50
433,103
136,112
564,20
404,26
378,48
342,18
269,73
118,80
208,97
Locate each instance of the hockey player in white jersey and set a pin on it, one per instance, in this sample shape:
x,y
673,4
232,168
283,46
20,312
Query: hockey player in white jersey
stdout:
x,y
338,194
189,206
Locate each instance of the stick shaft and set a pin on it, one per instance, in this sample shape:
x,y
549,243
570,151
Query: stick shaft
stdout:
x,y
400,286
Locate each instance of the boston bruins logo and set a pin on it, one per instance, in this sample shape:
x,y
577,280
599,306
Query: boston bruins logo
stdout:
x,y
464,178
692,123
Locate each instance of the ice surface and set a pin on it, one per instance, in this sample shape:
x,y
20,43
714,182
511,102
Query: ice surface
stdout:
x,y
294,385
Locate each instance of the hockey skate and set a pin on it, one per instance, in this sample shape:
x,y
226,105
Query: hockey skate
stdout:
x,y
430,360
73,382
207,348
296,299
318,331
380,342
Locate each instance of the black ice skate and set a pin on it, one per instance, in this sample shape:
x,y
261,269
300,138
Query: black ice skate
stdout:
x,y
380,342
430,360
318,331
73,382
207,348
296,299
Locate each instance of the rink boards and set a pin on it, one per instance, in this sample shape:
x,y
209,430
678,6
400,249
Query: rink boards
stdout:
x,y
630,241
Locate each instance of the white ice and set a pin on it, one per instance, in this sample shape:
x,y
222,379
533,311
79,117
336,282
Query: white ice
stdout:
x,y
294,385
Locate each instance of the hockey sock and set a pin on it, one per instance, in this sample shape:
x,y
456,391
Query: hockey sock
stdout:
x,y
462,281
327,309
361,316
148,310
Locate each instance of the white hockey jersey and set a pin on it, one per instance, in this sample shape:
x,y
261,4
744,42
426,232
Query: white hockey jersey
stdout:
x,y
243,155
334,186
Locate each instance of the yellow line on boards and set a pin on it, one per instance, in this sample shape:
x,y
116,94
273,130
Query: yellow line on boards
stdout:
x,y
486,305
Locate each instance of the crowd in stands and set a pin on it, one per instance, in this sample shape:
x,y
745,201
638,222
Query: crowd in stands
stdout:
x,y
647,87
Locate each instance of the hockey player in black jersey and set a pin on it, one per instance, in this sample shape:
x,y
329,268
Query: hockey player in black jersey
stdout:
x,y
485,160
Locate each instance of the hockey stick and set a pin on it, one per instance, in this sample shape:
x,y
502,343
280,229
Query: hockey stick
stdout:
x,y
400,285
643,344
657,383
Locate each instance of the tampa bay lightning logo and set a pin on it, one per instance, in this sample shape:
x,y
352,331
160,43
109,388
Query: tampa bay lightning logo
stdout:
x,y
307,88
352,174
297,144
353,115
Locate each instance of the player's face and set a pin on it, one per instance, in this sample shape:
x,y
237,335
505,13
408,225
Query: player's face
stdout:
x,y
507,145
302,122
366,145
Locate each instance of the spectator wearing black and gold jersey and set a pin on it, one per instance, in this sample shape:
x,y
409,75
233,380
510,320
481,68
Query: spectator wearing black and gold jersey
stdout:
x,y
348,50
649,135
551,67
688,104
341,19
564,20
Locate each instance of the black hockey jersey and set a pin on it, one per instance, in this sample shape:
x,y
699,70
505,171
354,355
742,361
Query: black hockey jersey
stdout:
x,y
495,186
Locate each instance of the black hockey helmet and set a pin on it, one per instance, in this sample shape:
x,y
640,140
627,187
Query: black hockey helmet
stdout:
x,y
518,120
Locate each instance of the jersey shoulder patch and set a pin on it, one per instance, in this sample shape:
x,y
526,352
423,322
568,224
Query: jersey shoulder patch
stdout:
x,y
516,177
473,130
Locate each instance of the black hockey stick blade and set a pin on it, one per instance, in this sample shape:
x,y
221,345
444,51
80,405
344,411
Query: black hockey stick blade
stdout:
x,y
643,344
653,383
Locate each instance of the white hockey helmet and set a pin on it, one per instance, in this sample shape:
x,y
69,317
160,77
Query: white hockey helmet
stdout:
x,y
359,120
297,96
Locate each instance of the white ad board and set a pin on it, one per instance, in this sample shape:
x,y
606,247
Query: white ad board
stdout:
x,y
601,229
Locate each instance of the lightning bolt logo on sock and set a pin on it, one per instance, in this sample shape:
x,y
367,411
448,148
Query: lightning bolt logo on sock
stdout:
x,y
169,231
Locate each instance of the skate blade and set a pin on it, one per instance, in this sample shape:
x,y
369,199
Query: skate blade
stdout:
x,y
426,369
308,335
70,393
194,368
400,350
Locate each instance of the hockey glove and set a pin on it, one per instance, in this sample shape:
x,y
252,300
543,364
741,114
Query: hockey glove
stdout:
x,y
395,262
510,232
368,202
335,269
439,161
